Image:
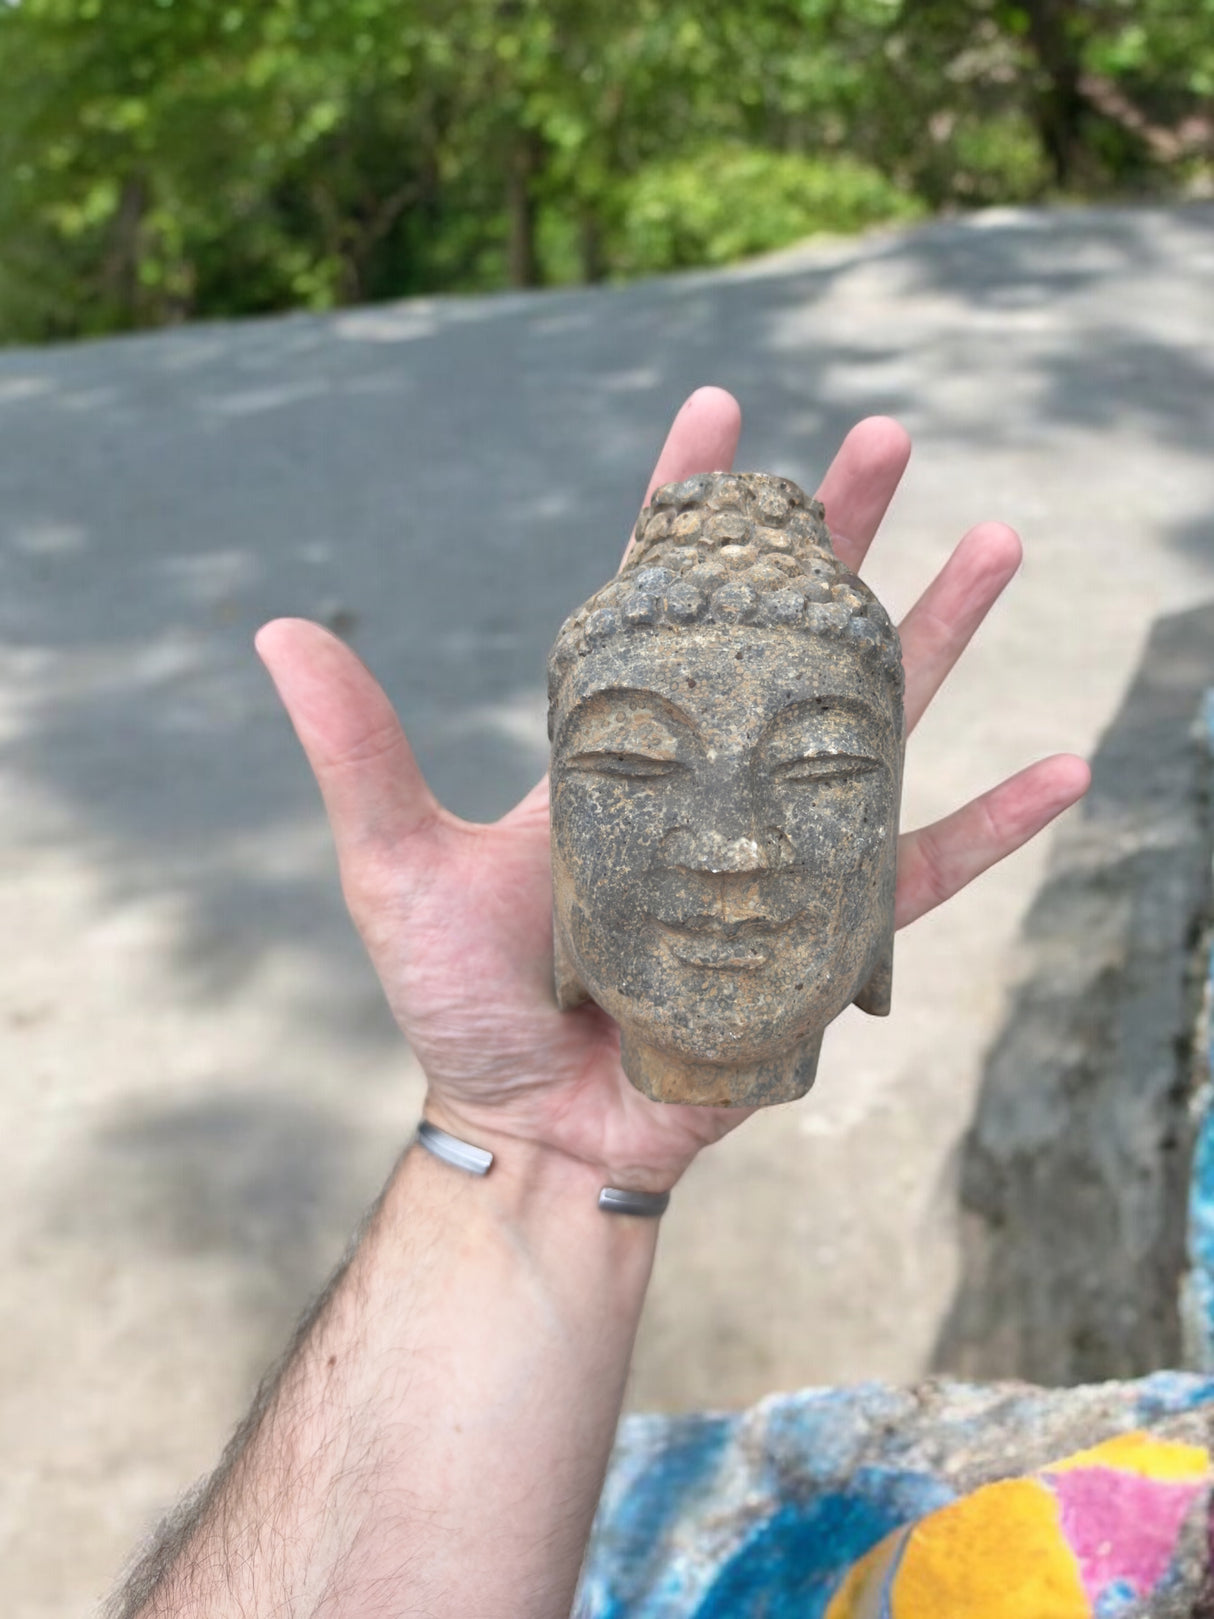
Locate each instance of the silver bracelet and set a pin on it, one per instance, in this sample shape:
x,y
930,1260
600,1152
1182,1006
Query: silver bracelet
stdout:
x,y
478,1161
649,1205
459,1154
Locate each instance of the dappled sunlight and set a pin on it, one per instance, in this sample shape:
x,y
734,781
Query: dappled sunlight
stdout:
x,y
441,483
444,512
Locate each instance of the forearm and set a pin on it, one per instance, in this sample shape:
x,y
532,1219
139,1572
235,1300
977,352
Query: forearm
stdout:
x,y
437,1444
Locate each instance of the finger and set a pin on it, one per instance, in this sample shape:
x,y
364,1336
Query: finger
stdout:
x,y
373,790
939,860
942,622
531,810
860,483
703,438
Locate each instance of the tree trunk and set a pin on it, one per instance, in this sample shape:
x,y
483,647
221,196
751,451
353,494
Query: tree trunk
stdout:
x,y
1061,103
590,245
120,267
522,261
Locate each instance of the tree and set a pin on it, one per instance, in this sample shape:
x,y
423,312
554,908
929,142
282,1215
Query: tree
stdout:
x,y
166,159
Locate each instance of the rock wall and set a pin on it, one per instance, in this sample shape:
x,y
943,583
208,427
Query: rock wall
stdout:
x,y
1074,1176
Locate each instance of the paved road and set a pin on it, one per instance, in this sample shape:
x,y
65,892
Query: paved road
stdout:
x,y
201,1087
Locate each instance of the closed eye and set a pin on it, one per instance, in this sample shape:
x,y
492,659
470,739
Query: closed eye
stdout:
x,y
638,766
826,767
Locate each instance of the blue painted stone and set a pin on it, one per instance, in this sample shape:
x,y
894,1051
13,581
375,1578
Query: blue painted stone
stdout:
x,y
791,1565
759,1514
1169,1394
1198,1291
1198,1297
1115,1600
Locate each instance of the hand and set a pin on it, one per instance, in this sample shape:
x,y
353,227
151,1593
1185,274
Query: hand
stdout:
x,y
457,917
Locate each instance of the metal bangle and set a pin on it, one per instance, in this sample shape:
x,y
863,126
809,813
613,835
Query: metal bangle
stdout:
x,y
478,1161
459,1154
649,1205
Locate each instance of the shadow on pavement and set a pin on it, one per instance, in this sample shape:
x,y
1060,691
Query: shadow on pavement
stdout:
x,y
442,480
264,1189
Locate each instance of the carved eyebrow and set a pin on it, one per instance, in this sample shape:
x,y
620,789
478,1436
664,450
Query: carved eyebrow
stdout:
x,y
813,707
634,697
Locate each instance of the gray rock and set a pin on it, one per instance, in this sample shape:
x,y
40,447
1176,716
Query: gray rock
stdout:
x,y
1075,1172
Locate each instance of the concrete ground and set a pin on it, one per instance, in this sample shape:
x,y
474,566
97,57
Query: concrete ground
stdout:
x,y
201,1087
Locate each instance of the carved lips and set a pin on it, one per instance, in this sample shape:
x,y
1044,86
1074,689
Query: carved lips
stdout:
x,y
739,947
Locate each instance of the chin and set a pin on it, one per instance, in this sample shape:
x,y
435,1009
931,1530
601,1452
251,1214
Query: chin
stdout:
x,y
710,1040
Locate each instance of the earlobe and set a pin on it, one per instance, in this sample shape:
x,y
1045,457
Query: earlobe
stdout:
x,y
876,995
570,991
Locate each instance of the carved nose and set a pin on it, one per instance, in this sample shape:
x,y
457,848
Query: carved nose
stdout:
x,y
716,852
724,835
726,852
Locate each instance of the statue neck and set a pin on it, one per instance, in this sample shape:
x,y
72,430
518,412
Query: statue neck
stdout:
x,y
665,1077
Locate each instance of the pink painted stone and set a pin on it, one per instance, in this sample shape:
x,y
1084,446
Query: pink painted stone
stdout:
x,y
1121,1526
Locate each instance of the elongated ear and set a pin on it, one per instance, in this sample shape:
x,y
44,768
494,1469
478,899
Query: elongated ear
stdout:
x,y
570,991
876,995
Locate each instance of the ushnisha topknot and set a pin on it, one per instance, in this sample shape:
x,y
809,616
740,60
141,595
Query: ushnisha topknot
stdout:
x,y
730,548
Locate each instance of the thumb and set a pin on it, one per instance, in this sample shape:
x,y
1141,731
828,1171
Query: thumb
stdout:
x,y
375,795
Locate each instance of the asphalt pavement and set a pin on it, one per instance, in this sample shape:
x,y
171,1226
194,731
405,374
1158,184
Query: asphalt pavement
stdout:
x,y
202,1088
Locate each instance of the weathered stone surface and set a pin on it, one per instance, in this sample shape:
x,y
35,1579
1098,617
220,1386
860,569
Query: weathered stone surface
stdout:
x,y
726,725
1197,1291
764,1512
1075,1173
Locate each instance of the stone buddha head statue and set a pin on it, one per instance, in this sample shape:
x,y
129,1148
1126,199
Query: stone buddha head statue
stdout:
x,y
726,728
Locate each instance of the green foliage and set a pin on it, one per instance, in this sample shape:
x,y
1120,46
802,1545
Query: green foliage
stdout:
x,y
169,159
997,159
727,202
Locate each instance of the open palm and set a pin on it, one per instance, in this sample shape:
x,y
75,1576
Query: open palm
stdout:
x,y
457,917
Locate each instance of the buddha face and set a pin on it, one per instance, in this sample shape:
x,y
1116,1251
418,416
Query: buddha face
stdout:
x,y
724,835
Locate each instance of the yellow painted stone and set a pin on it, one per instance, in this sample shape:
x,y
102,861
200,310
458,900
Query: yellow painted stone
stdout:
x,y
999,1553
995,1554
1139,1453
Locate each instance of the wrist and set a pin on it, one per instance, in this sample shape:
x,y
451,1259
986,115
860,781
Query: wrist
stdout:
x,y
525,1152
535,1203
